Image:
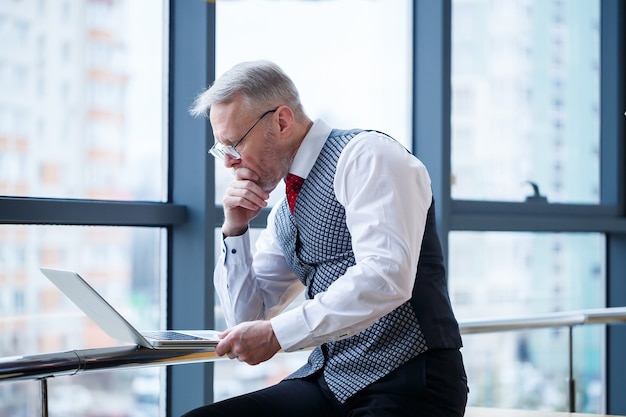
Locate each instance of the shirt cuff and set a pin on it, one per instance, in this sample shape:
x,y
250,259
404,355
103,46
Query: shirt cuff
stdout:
x,y
236,249
288,328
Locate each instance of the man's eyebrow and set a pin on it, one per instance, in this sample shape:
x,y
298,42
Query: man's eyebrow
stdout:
x,y
223,141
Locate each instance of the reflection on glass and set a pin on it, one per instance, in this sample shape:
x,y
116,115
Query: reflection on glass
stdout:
x,y
498,275
124,265
351,60
81,99
525,99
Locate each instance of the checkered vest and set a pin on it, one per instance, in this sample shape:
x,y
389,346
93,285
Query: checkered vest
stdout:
x,y
317,245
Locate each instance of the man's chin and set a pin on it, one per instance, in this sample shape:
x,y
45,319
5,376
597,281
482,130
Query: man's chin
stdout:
x,y
269,188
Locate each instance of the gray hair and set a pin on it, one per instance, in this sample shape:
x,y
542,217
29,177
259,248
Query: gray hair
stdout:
x,y
262,85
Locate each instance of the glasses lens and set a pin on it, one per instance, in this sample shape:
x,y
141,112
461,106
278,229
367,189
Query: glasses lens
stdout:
x,y
216,154
218,150
232,152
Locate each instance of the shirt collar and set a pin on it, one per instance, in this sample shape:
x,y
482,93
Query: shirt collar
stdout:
x,y
310,148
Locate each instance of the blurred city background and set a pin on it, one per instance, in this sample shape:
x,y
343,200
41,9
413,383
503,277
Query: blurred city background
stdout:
x,y
83,114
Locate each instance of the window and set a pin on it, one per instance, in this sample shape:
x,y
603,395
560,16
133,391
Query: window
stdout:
x,y
95,132
525,85
97,111
535,214
338,69
505,274
442,135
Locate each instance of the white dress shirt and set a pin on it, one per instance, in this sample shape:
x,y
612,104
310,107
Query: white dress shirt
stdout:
x,y
386,193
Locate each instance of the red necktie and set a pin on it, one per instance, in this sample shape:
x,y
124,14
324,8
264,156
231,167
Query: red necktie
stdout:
x,y
293,184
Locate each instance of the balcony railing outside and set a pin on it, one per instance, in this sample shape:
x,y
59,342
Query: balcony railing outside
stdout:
x,y
43,366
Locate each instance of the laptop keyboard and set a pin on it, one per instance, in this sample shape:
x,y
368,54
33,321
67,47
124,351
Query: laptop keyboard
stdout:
x,y
168,335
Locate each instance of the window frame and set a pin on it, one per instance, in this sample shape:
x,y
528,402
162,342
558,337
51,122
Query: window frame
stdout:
x,y
431,120
190,214
190,295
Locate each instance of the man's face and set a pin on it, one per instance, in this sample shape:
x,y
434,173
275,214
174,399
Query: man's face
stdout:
x,y
252,137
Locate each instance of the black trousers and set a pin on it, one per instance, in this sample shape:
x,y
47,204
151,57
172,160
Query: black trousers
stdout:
x,y
431,384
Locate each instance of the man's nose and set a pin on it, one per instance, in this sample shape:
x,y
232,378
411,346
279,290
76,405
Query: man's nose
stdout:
x,y
230,161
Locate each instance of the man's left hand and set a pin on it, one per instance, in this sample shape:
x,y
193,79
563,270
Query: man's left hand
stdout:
x,y
252,342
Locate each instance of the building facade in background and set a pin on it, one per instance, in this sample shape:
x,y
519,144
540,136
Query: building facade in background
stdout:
x,y
72,98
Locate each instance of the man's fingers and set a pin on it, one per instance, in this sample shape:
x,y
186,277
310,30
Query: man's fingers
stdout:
x,y
243,173
223,347
248,186
245,199
244,193
250,342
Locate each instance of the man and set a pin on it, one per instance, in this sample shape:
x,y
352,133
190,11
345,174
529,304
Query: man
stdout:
x,y
359,238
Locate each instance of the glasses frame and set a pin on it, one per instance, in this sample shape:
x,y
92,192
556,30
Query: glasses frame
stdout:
x,y
219,150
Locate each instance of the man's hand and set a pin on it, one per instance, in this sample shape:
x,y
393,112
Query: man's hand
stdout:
x,y
252,342
242,202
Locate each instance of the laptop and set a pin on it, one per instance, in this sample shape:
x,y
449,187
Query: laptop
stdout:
x,y
116,326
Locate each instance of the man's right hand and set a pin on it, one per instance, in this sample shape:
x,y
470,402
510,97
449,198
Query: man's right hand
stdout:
x,y
243,201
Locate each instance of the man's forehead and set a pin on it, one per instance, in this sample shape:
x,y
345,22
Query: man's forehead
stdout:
x,y
223,110
234,105
226,119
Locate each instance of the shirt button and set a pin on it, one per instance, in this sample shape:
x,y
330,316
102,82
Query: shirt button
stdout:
x,y
233,251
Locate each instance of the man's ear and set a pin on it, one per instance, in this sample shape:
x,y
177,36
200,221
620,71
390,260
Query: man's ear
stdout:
x,y
286,120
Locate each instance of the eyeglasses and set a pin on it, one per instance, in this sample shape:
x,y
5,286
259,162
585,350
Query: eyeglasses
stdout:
x,y
218,149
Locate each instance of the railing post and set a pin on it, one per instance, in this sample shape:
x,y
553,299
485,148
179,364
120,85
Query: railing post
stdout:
x,y
43,394
571,380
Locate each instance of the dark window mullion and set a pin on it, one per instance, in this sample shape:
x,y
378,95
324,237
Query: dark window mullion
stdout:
x,y
15,210
536,217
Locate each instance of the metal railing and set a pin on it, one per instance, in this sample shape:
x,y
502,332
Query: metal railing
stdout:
x,y
562,319
42,366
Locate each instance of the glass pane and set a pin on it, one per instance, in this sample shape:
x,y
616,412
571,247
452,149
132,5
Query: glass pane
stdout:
x,y
498,275
351,60
525,99
82,90
123,264
354,75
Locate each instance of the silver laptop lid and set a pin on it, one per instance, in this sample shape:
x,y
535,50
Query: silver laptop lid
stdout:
x,y
94,306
